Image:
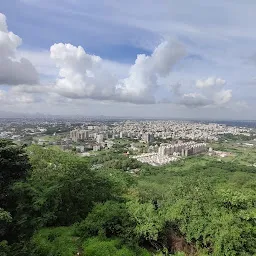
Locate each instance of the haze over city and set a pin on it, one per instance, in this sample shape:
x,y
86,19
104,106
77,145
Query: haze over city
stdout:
x,y
166,59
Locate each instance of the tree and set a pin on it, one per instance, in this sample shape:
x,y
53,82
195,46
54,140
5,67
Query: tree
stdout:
x,y
149,221
54,241
14,167
114,247
61,190
109,219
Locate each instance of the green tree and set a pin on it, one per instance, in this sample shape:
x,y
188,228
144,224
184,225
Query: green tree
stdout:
x,y
114,247
14,167
61,190
149,221
54,241
108,219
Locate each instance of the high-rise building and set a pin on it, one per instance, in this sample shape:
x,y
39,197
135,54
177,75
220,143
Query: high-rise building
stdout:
x,y
183,149
79,135
147,137
73,135
99,138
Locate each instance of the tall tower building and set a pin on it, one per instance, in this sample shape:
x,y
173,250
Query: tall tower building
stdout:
x,y
99,138
147,137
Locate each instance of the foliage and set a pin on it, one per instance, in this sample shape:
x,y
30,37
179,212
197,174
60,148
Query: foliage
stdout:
x,y
114,247
232,137
206,207
61,190
5,219
108,219
57,203
14,166
52,130
4,248
116,161
149,221
54,241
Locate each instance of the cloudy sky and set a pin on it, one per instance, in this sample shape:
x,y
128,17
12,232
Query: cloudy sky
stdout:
x,y
143,58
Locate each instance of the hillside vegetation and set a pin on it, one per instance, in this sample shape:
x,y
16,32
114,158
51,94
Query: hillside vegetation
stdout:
x,y
54,203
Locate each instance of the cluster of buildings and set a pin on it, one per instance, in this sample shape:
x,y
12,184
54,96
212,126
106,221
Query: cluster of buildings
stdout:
x,y
79,135
18,133
182,149
147,137
92,138
155,159
162,138
165,153
24,130
174,130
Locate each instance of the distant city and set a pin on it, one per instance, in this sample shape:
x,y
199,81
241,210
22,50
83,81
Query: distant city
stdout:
x,y
155,142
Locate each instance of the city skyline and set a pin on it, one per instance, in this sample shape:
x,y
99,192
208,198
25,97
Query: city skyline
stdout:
x,y
172,59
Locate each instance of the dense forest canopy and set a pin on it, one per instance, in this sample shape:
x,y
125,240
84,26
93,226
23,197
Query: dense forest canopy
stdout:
x,y
57,203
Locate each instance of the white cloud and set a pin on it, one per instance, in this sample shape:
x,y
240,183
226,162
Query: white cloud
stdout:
x,y
194,100
85,76
210,82
208,92
222,97
142,81
42,62
13,71
28,94
82,75
31,89
13,98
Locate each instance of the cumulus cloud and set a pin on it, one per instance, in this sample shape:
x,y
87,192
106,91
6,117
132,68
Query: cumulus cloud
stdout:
x,y
142,81
175,88
222,97
194,100
82,75
14,98
44,65
207,92
210,82
85,76
31,89
13,71
27,94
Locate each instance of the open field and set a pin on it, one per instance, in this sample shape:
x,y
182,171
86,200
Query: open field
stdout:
x,y
242,154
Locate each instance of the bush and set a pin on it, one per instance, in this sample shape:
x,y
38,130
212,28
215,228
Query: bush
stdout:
x,y
109,219
111,247
54,241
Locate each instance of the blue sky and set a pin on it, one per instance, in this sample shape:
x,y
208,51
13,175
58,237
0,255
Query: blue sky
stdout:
x,y
218,44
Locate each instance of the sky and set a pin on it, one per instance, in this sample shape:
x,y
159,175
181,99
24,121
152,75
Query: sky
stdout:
x,y
166,59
